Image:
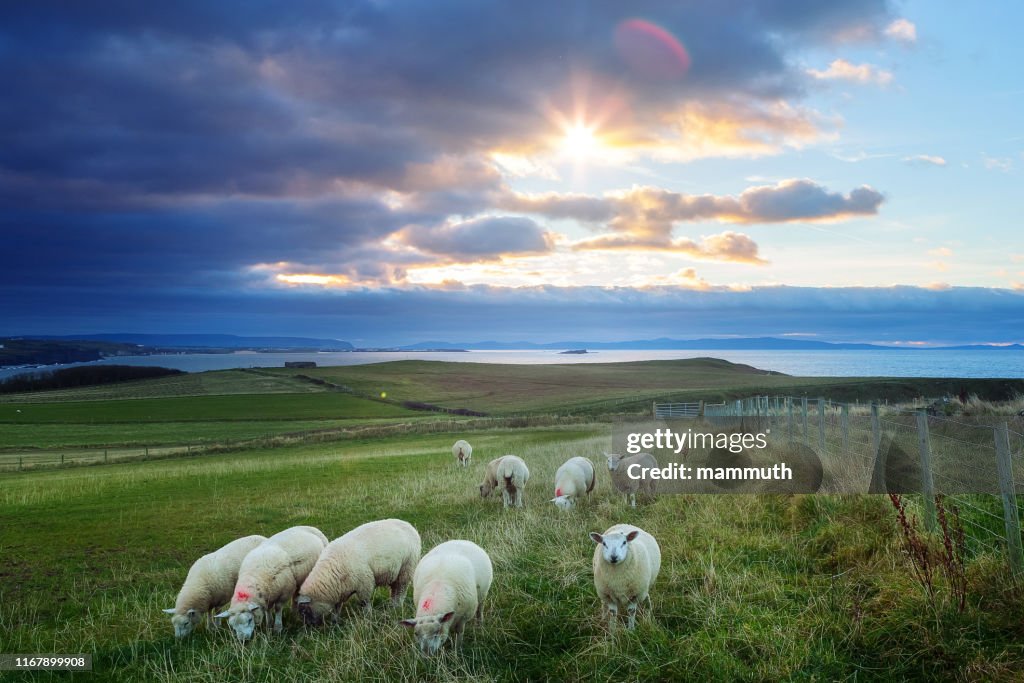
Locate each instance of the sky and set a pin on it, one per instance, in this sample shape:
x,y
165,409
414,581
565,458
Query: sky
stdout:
x,y
388,172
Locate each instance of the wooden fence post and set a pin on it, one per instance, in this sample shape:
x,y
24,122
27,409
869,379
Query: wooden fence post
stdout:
x,y
19,462
104,455
61,458
846,427
1010,518
821,424
803,408
927,483
789,410
878,471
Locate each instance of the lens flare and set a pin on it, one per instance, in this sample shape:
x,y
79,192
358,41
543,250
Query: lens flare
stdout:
x,y
651,51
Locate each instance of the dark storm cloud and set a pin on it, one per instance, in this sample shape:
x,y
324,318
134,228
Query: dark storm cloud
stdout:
x,y
224,98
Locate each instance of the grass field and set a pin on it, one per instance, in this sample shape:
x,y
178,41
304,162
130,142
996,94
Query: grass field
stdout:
x,y
752,587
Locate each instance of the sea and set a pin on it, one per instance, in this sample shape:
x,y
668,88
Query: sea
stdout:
x,y
832,363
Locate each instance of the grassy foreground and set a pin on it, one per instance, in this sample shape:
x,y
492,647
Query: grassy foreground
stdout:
x,y
752,587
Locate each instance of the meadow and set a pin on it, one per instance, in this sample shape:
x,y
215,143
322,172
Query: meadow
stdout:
x,y
753,587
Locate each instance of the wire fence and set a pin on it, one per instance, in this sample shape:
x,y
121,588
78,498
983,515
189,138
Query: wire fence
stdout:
x,y
976,463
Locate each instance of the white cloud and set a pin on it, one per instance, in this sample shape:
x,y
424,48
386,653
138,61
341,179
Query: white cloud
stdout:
x,y
842,70
925,159
902,30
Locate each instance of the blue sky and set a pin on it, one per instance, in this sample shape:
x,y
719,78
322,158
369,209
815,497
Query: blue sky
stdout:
x,y
388,172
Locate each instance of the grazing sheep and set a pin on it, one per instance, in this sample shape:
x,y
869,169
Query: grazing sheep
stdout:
x,y
270,576
512,473
382,553
574,478
618,466
209,584
626,563
462,452
449,586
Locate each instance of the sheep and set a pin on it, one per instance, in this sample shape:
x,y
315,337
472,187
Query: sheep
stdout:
x,y
575,477
449,586
462,452
270,576
382,553
618,467
626,563
209,584
511,470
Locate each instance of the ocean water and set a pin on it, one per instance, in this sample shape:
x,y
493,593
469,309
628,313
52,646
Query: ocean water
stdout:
x,y
877,363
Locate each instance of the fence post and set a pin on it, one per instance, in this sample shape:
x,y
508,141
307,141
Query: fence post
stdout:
x,y
147,451
803,408
846,427
1010,518
878,471
789,410
61,458
104,455
821,424
927,483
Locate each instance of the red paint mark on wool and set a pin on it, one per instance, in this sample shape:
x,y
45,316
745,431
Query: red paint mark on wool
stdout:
x,y
427,603
558,492
242,595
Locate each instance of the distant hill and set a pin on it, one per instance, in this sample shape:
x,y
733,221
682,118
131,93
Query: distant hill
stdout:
x,y
745,343
218,341
665,344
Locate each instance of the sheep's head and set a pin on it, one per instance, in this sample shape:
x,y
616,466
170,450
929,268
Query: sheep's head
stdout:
x,y
614,546
563,502
485,489
313,612
431,631
613,461
185,623
244,619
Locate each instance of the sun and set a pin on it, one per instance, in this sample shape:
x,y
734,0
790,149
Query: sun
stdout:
x,y
580,141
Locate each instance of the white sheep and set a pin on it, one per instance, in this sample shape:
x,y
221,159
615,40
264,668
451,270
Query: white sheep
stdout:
x,y
462,452
574,478
382,553
618,467
209,584
270,576
626,563
449,586
511,473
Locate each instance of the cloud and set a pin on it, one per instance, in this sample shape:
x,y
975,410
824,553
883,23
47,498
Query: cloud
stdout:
x,y
842,70
480,239
729,247
926,160
1004,164
940,251
649,211
902,30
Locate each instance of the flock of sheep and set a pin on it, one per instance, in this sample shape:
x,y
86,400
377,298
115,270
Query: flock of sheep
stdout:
x,y
257,576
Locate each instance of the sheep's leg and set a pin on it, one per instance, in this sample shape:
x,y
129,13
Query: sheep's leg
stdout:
x,y
480,612
613,615
210,621
278,617
632,499
457,633
519,498
631,612
505,498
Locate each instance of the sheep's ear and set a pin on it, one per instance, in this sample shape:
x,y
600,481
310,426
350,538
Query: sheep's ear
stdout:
x,y
409,623
169,611
253,606
191,612
554,500
596,537
632,535
222,614
447,617
304,600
